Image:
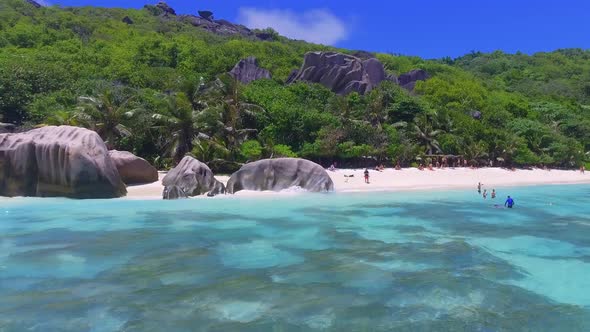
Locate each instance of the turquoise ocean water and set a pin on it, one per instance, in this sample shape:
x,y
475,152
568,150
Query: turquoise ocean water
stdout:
x,y
414,261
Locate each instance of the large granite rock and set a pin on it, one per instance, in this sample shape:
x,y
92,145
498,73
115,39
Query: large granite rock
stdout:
x,y
165,8
409,79
247,70
341,73
132,169
191,178
57,161
280,174
220,27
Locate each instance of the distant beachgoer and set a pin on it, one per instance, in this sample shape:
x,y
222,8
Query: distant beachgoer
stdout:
x,y
332,168
430,167
366,175
465,163
485,194
437,164
493,193
479,185
421,167
509,202
398,167
582,169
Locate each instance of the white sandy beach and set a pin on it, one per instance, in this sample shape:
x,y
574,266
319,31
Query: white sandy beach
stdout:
x,y
414,179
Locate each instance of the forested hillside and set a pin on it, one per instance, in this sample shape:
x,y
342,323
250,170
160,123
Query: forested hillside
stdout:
x,y
156,85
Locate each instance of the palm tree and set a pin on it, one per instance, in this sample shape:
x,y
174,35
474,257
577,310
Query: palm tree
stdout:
x,y
105,114
228,117
178,126
62,118
426,133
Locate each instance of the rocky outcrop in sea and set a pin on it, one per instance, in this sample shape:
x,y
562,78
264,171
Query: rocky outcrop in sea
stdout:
x,y
191,178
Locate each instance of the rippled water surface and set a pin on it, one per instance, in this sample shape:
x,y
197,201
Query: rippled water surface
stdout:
x,y
438,261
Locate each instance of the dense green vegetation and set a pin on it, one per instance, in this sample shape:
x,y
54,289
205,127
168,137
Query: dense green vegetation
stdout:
x,y
158,88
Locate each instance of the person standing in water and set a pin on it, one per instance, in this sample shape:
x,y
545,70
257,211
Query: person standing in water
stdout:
x,y
366,175
479,187
509,202
485,194
493,193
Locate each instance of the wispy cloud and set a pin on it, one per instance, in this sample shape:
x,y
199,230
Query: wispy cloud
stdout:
x,y
316,26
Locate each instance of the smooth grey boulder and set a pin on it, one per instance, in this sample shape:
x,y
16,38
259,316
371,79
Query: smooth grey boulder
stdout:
x,y
59,161
279,174
340,72
247,70
409,79
191,178
133,169
174,192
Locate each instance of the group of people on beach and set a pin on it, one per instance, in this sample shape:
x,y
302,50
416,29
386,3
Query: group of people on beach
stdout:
x,y
509,201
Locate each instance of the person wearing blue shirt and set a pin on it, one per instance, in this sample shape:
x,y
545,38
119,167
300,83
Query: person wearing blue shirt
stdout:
x,y
509,202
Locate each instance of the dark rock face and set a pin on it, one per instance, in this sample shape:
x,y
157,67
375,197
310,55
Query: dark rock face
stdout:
x,y
247,70
409,79
127,20
167,10
341,73
220,27
58,161
280,174
375,71
392,78
292,76
34,3
132,169
208,15
190,178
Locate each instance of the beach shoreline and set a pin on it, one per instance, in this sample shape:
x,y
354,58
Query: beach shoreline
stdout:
x,y
412,179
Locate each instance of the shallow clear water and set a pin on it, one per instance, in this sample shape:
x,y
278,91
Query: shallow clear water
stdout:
x,y
435,261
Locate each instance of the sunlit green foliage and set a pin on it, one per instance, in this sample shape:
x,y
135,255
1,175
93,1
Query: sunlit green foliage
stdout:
x,y
158,88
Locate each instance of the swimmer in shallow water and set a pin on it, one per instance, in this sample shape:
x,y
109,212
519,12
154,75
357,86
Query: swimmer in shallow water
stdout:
x,y
509,202
493,193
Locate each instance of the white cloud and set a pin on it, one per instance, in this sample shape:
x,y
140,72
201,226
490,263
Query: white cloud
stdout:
x,y
316,26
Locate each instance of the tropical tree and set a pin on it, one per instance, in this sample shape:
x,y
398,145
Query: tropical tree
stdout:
x,y
106,114
178,126
228,117
426,133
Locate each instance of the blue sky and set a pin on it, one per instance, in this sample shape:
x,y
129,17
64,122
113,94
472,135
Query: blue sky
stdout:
x,y
427,28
